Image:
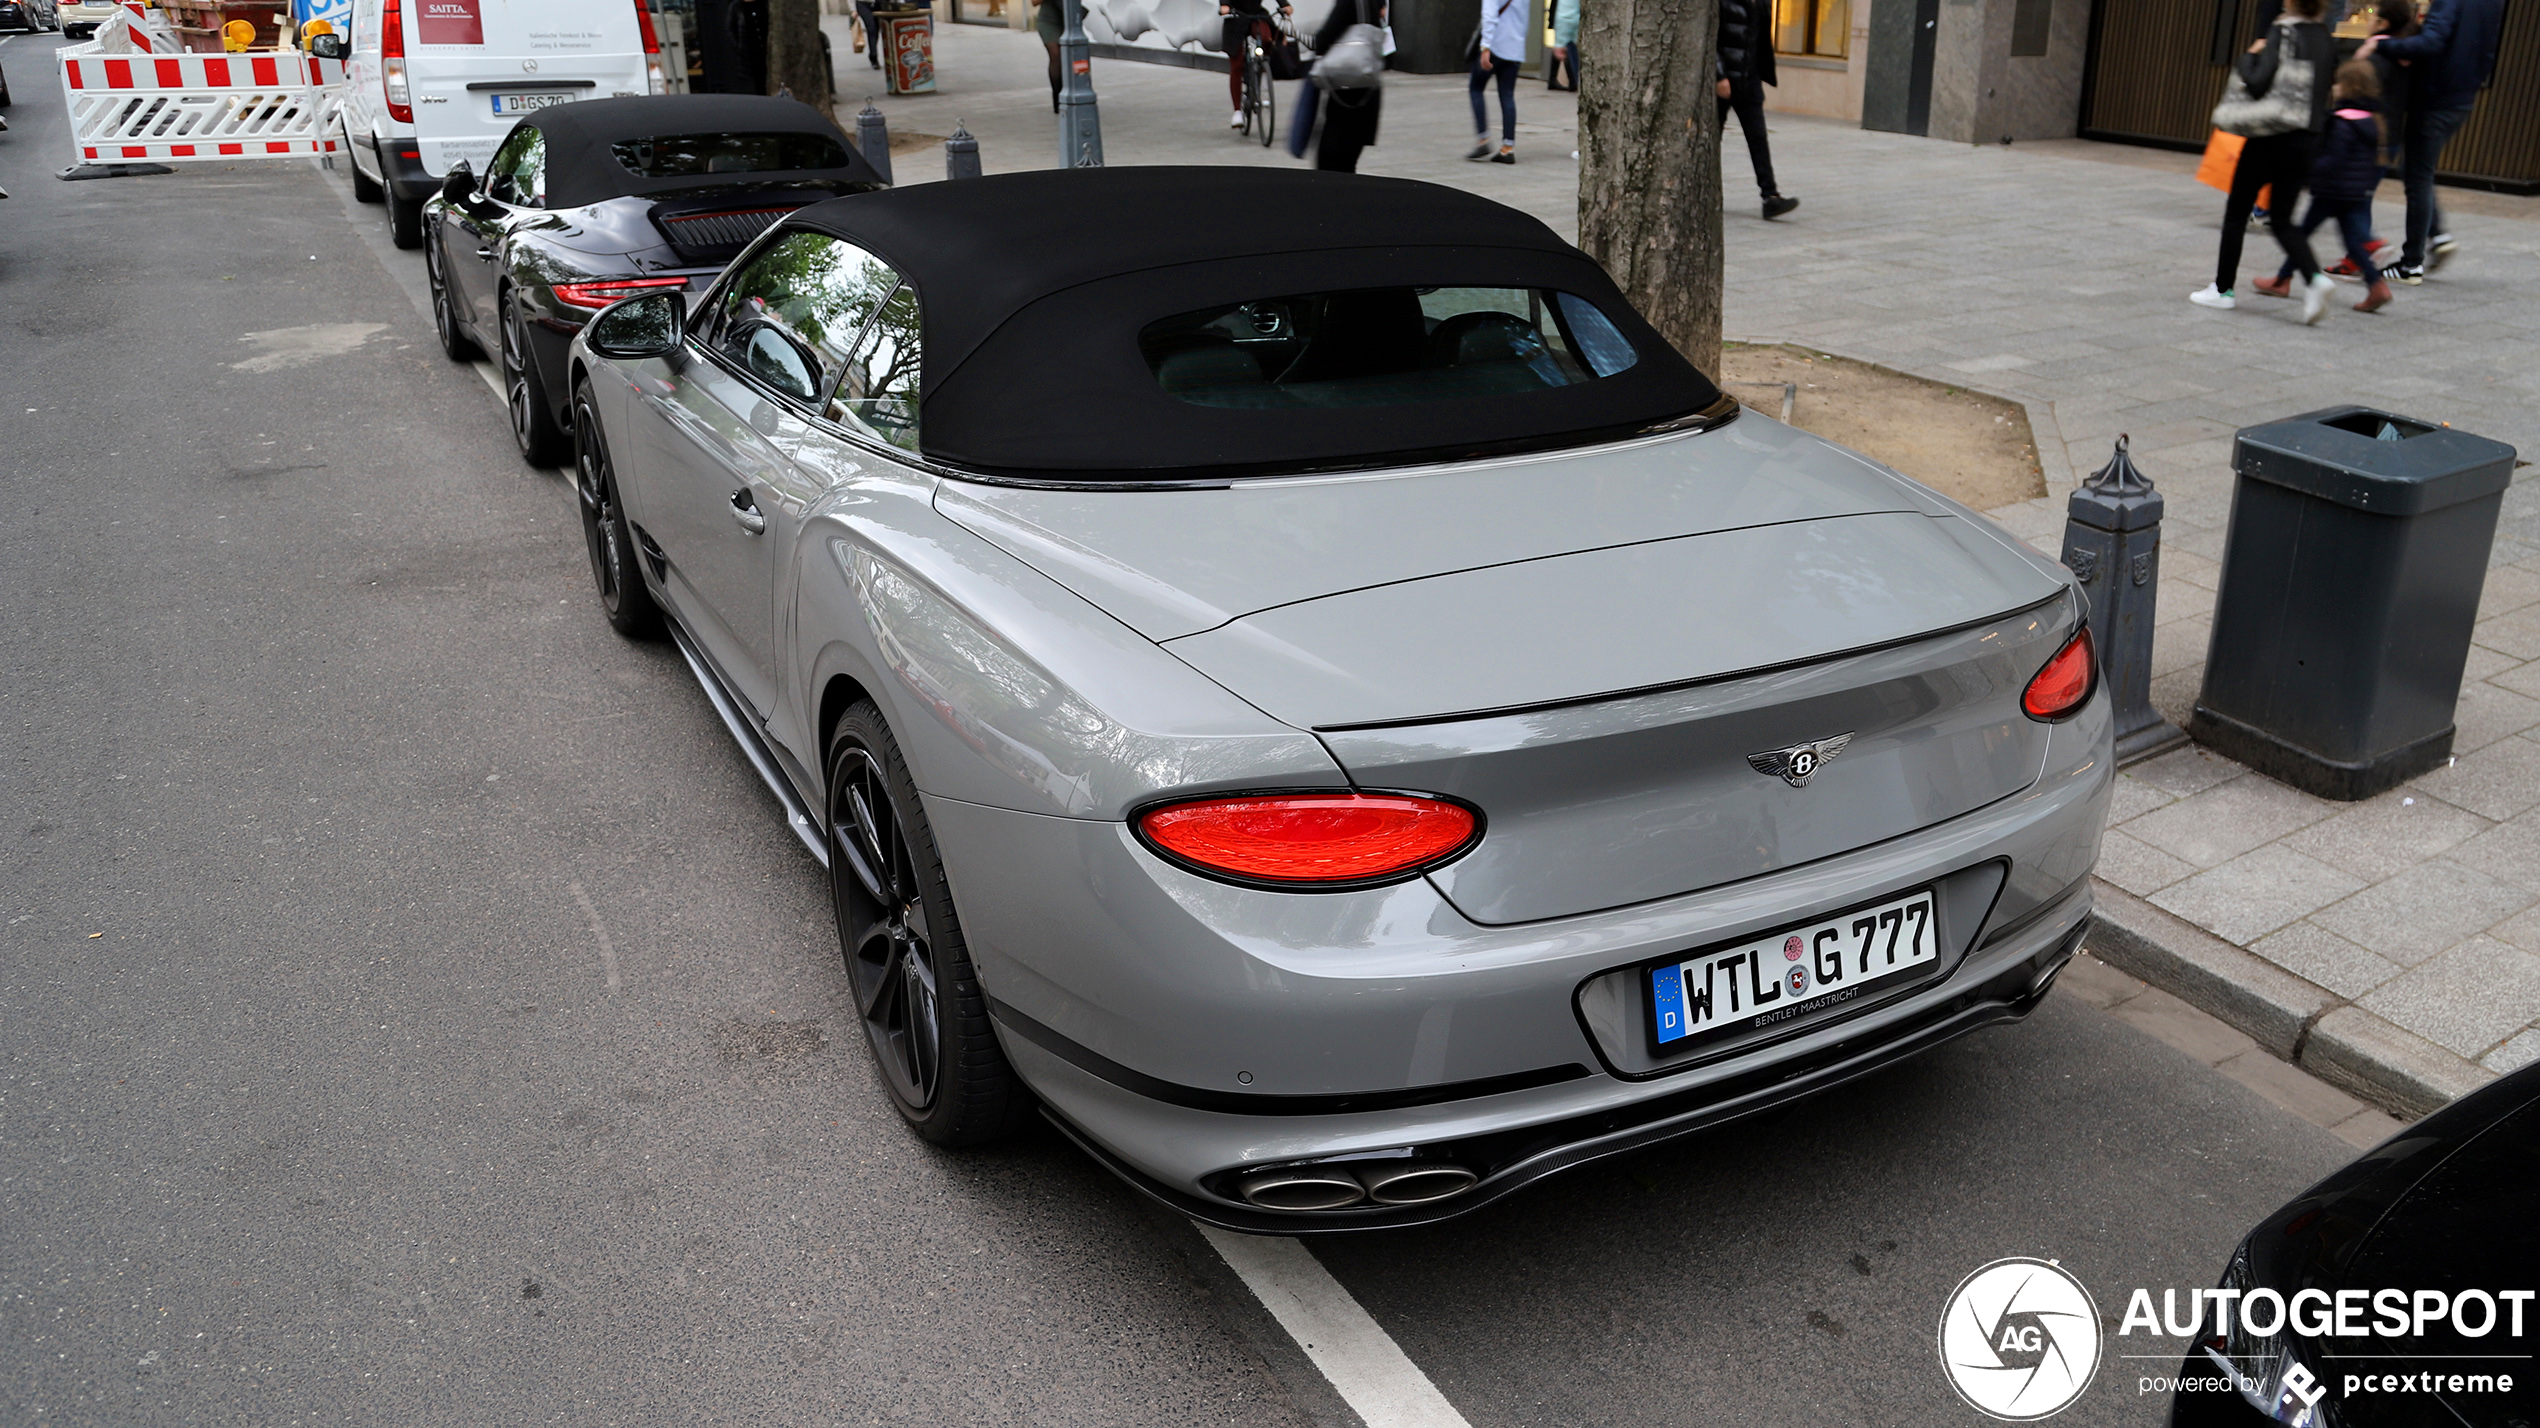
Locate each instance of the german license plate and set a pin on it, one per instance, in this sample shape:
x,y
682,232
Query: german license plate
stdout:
x,y
1793,972
524,103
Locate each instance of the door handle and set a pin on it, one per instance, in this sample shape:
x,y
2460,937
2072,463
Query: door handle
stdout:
x,y
745,510
486,253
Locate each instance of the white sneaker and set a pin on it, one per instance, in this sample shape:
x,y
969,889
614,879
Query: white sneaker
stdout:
x,y
2211,296
2439,250
2315,293
1236,120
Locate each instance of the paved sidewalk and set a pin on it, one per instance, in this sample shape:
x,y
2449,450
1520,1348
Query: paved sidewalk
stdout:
x,y
2391,945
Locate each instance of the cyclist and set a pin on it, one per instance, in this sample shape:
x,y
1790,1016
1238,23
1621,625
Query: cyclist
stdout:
x,y
1244,19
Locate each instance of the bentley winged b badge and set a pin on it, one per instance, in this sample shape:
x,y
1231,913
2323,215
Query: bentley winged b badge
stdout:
x,y
1798,763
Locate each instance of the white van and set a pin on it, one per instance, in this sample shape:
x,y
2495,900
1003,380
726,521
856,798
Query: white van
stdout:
x,y
432,83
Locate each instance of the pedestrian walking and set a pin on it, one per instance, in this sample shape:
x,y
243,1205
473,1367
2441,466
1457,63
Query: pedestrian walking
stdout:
x,y
1745,67
2277,99
1498,51
1564,54
1348,116
872,31
2450,58
1049,21
2343,178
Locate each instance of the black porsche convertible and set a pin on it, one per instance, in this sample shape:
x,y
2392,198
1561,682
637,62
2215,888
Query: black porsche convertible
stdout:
x,y
584,204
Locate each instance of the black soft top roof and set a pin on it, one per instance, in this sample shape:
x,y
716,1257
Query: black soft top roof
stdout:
x,y
1033,288
581,168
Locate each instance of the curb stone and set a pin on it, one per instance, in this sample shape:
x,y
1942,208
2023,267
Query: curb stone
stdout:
x,y
2291,1018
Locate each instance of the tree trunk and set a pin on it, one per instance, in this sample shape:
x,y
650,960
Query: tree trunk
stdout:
x,y
794,59
1649,162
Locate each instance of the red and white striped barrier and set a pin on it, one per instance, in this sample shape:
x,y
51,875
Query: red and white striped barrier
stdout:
x,y
174,108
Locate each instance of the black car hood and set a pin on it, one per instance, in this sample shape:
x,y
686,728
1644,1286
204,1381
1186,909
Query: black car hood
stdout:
x,y
2448,1204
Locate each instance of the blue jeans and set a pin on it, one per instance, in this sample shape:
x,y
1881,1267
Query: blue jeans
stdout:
x,y
2354,224
2424,136
1505,72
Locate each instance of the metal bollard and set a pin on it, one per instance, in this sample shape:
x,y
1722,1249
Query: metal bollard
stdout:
x,y
873,137
2112,544
961,153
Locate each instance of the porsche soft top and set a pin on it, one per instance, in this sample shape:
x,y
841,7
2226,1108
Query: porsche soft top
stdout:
x,y
1067,332
583,166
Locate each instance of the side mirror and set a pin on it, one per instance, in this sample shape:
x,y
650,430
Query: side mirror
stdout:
x,y
649,325
459,186
327,47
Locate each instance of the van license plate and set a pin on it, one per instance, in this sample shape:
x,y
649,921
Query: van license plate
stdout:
x,y
1793,972
524,103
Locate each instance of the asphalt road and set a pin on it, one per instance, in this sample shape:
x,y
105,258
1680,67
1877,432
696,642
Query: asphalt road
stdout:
x,y
412,1009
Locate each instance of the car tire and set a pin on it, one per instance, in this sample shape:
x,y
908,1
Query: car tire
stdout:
x,y
455,343
615,568
365,190
534,429
917,994
405,220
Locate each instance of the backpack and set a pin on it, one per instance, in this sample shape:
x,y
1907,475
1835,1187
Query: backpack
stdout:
x,y
1356,62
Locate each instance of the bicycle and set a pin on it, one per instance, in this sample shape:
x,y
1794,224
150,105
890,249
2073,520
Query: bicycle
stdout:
x,y
1261,105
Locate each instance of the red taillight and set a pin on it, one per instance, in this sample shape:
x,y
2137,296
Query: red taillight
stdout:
x,y
1323,839
656,81
644,18
392,62
609,290
2065,683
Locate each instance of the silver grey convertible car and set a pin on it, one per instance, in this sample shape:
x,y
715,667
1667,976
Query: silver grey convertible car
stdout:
x,y
1291,677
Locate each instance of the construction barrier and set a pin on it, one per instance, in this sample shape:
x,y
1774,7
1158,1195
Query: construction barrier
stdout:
x,y
134,98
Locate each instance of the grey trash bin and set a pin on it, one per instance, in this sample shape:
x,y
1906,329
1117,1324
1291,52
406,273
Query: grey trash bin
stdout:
x,y
2350,581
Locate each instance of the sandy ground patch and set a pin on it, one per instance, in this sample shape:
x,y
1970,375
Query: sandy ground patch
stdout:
x,y
1974,448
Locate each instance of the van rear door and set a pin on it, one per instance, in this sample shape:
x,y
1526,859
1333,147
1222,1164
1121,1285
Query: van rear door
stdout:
x,y
476,66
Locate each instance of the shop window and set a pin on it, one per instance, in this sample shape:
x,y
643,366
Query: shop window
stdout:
x,y
1820,29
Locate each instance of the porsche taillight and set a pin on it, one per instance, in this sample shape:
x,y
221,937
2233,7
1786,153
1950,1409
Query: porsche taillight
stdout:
x,y
392,63
1310,840
2065,683
608,290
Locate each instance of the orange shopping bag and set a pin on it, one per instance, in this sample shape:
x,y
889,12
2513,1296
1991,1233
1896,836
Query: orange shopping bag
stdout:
x,y
2222,155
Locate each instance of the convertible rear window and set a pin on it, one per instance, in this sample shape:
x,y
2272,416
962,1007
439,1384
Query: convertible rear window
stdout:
x,y
683,155
1378,347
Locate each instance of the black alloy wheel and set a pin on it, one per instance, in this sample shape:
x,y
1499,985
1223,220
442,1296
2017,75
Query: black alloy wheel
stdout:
x,y
455,343
541,441
925,1016
624,597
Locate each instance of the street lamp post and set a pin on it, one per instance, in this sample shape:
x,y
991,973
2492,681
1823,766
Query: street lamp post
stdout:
x,y
1079,124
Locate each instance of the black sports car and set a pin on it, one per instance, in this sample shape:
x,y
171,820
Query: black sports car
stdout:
x,y
584,204
2401,1288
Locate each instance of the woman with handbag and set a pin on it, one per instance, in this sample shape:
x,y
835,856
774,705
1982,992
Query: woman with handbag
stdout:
x,y
1349,110
2278,101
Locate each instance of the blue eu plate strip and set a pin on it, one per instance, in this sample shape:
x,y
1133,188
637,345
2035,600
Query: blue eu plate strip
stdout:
x,y
1667,997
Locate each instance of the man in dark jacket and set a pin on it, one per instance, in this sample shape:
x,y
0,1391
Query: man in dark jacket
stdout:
x,y
1746,66
2450,58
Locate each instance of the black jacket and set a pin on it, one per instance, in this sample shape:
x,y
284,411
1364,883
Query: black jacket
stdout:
x,y
2349,163
2305,39
1746,41
2452,55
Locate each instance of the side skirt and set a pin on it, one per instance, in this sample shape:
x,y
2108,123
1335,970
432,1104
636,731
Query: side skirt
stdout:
x,y
745,732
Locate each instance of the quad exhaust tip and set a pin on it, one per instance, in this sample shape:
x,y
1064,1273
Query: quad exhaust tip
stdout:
x,y
1308,1188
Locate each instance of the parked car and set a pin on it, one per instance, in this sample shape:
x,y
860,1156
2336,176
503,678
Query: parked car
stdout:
x,y
587,203
428,86
31,16
80,18
2421,1244
1333,707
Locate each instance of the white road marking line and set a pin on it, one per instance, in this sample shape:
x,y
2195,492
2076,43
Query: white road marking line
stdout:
x,y
1374,1377
608,953
486,370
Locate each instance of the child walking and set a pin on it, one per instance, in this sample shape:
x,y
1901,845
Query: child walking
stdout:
x,y
2342,181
